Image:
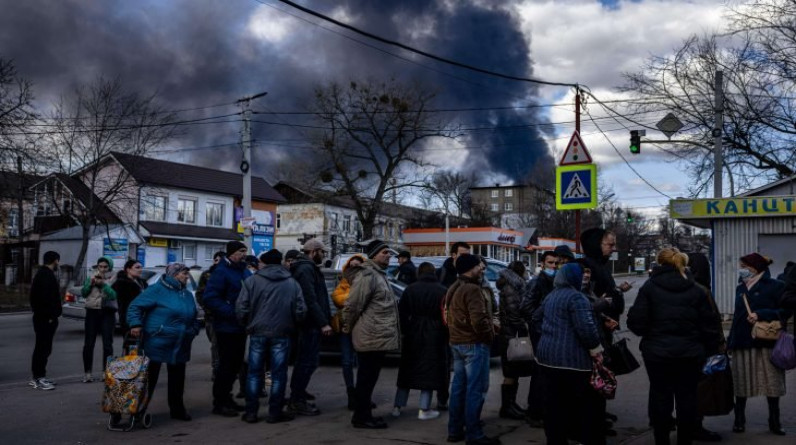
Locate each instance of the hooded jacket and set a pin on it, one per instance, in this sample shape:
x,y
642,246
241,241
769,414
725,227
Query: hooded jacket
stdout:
x,y
270,303
166,311
469,312
673,317
313,287
602,281
221,293
569,333
371,312
788,300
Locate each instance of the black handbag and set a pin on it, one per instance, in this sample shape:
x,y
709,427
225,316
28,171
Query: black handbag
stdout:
x,y
715,395
620,360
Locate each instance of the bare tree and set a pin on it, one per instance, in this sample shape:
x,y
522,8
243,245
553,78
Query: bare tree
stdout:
x,y
448,191
757,59
91,123
374,133
16,114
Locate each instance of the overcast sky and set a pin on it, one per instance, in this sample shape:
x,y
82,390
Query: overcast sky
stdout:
x,y
200,53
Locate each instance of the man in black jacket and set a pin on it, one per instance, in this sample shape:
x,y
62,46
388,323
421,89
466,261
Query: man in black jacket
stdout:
x,y
45,301
407,272
306,270
447,273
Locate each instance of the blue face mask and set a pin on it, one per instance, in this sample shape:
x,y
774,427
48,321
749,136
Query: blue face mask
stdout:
x,y
550,272
744,273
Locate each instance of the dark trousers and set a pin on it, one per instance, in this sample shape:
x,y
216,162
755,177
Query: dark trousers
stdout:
x,y
673,382
308,355
176,385
98,321
572,408
370,364
45,332
231,348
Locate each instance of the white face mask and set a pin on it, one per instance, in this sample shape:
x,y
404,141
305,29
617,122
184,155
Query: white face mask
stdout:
x,y
745,274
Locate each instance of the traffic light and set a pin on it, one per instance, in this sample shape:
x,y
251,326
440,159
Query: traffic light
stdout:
x,y
635,142
629,218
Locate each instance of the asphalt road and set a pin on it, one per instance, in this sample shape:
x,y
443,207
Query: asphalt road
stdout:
x,y
71,414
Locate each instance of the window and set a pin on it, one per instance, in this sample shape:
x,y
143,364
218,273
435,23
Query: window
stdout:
x,y
509,206
13,222
214,214
333,221
278,220
495,193
390,230
189,251
186,211
347,223
210,250
155,208
508,193
494,207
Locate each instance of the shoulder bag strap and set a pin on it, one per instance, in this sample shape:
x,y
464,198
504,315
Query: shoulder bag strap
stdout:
x,y
746,302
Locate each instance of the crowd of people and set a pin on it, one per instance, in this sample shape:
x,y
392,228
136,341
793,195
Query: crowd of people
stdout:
x,y
264,314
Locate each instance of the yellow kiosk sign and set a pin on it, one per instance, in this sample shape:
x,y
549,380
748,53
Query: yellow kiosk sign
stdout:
x,y
745,207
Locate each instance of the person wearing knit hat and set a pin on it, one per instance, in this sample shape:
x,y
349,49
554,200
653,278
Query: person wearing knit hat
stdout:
x,y
273,256
753,373
290,256
175,268
220,295
101,307
375,247
466,262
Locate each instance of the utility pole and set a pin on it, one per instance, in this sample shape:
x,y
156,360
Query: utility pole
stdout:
x,y
246,164
21,255
718,129
577,129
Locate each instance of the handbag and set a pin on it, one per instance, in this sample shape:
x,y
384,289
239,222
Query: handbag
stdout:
x,y
715,396
620,360
715,363
784,354
603,380
764,330
519,349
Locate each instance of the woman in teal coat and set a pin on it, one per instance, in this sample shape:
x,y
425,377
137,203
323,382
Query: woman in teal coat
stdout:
x,y
165,315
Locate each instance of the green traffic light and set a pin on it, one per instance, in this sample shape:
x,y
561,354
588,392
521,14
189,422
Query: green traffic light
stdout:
x,y
635,149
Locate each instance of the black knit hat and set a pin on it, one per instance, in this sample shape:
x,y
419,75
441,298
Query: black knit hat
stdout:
x,y
374,247
234,246
273,256
564,251
292,254
464,263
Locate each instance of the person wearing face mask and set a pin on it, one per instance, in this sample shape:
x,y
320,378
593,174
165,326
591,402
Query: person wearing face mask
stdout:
x,y
752,372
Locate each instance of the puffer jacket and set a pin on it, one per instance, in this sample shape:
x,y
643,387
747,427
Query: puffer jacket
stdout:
x,y
514,316
569,333
371,313
764,299
270,303
221,293
469,313
602,281
673,317
166,311
340,293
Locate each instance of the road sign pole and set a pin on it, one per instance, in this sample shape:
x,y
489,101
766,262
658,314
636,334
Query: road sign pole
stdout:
x,y
577,128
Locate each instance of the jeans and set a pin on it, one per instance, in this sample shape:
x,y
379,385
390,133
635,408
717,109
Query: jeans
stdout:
x,y
402,396
231,348
309,349
673,381
573,409
176,385
468,390
98,321
45,331
260,347
348,359
370,364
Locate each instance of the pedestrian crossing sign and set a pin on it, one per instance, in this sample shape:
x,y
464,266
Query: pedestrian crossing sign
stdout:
x,y
576,187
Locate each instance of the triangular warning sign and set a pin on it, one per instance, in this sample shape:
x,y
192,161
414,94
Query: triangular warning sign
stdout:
x,y
576,152
576,189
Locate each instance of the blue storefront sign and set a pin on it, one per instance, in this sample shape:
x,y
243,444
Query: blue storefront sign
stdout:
x,y
115,248
262,244
141,257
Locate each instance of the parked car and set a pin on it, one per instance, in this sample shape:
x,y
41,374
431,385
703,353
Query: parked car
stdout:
x,y
74,304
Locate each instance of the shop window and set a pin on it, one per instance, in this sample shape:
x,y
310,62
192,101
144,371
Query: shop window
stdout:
x,y
189,251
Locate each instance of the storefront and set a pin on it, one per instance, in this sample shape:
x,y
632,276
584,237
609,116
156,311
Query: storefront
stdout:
x,y
763,220
500,244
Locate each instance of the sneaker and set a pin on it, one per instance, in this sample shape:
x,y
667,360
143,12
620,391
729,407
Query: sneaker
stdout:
x,y
88,378
396,412
42,384
49,381
427,414
303,409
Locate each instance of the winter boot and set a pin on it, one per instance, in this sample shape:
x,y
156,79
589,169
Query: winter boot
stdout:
x,y
508,394
774,424
739,426
351,399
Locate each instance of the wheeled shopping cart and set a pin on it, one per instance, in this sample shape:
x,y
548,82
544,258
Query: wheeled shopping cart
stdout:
x,y
126,388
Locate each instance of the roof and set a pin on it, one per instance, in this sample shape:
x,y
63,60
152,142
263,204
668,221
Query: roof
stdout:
x,y
76,233
83,194
172,174
9,183
187,231
760,190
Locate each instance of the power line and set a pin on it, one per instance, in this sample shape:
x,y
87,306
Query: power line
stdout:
x,y
201,121
424,53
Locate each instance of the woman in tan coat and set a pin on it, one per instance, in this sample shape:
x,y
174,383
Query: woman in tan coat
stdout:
x,y
348,356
